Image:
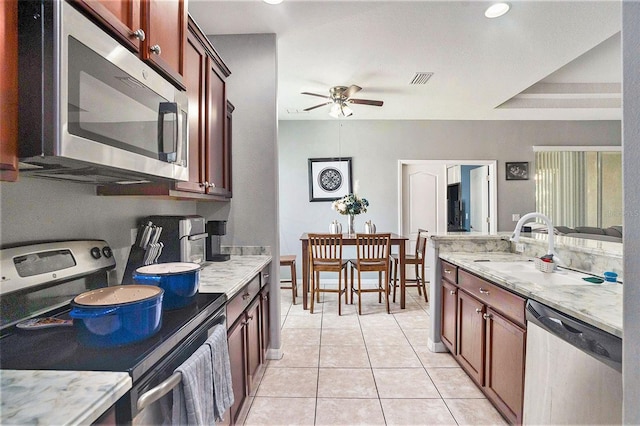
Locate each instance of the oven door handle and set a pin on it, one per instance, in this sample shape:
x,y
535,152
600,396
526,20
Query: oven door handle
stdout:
x,y
154,394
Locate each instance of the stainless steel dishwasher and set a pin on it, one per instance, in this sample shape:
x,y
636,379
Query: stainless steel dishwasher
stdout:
x,y
572,372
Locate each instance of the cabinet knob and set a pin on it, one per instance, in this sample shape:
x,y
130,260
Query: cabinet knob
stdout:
x,y
265,297
250,317
204,184
212,185
483,291
139,34
487,316
478,311
447,271
155,49
452,292
245,296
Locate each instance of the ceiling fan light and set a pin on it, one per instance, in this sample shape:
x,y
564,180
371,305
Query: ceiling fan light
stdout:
x,y
496,10
345,110
335,110
272,1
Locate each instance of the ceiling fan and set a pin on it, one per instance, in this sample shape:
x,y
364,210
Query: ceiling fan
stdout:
x,y
339,97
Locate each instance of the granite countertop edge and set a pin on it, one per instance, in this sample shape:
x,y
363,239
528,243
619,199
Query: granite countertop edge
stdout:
x,y
231,276
594,304
67,397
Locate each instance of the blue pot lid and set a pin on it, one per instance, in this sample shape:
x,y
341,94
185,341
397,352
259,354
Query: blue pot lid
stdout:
x,y
170,268
117,295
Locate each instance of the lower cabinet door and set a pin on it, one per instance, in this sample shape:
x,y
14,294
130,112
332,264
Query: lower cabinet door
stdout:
x,y
504,368
264,321
237,348
471,331
449,315
254,342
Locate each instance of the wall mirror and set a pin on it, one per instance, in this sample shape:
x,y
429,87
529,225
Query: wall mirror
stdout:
x,y
580,189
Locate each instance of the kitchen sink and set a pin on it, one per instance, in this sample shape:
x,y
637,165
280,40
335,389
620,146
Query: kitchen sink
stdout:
x,y
526,271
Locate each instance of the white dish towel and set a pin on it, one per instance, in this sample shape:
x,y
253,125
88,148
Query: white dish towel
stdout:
x,y
222,384
193,397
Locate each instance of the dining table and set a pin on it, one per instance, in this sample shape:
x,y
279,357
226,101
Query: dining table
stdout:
x,y
350,240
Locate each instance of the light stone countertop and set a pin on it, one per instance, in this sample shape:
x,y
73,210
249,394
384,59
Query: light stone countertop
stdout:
x,y
597,304
230,276
58,397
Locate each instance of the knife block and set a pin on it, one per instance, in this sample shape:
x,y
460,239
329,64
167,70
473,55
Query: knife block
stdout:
x,y
136,260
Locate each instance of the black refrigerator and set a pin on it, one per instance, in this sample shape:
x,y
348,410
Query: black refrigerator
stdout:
x,y
455,208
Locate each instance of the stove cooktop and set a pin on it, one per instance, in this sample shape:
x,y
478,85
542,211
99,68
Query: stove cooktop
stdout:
x,y
60,349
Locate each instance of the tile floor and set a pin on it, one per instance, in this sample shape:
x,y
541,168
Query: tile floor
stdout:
x,y
369,369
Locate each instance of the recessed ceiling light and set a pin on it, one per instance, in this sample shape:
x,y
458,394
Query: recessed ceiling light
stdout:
x,y
272,1
496,10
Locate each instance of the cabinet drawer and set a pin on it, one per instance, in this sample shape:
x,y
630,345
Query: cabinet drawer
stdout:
x,y
241,300
499,299
449,272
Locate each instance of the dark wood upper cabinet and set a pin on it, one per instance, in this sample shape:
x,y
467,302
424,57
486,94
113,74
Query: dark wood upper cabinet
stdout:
x,y
9,91
155,29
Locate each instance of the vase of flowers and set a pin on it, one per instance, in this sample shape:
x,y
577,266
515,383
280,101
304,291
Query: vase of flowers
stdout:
x,y
350,205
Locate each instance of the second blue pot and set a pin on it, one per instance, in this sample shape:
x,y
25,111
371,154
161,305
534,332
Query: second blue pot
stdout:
x,y
179,280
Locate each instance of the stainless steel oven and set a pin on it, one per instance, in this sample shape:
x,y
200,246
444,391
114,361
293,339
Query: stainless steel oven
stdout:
x,y
90,109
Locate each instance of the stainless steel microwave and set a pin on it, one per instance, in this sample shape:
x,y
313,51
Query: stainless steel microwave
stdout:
x,y
90,109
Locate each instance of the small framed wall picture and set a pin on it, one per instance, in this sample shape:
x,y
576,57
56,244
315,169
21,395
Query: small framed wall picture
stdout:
x,y
517,171
329,178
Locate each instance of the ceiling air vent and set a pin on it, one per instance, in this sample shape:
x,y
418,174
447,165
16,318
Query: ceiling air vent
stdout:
x,y
421,78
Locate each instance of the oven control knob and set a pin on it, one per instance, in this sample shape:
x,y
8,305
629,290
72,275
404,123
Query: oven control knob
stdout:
x,y
107,252
95,253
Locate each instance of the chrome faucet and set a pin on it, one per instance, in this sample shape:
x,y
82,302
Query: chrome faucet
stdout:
x,y
515,237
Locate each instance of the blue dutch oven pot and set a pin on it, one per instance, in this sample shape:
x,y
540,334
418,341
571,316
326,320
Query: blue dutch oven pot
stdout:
x,y
118,315
179,280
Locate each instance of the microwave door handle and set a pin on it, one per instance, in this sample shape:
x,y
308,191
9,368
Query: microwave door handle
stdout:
x,y
179,133
164,109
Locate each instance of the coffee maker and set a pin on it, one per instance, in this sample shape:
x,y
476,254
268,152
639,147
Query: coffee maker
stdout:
x,y
216,229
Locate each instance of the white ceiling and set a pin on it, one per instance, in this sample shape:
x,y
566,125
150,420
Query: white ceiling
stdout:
x,y
564,56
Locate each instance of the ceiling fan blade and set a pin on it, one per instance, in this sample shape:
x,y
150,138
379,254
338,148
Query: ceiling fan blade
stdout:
x,y
365,102
315,94
317,106
352,90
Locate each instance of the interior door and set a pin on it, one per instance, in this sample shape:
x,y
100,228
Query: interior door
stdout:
x,y
479,199
424,203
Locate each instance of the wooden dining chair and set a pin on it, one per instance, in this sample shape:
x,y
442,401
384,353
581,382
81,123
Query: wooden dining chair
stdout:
x,y
325,255
372,256
417,259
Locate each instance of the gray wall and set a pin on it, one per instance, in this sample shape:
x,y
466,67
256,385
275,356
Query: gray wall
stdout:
x,y
376,147
631,163
38,209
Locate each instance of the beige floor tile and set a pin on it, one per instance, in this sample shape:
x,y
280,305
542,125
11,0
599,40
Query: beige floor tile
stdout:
x,y
298,356
378,321
393,357
332,320
384,336
282,411
346,383
300,336
283,319
331,309
474,412
413,320
371,307
289,382
435,359
417,336
394,383
349,412
298,310
354,356
416,412
454,383
341,337
300,321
